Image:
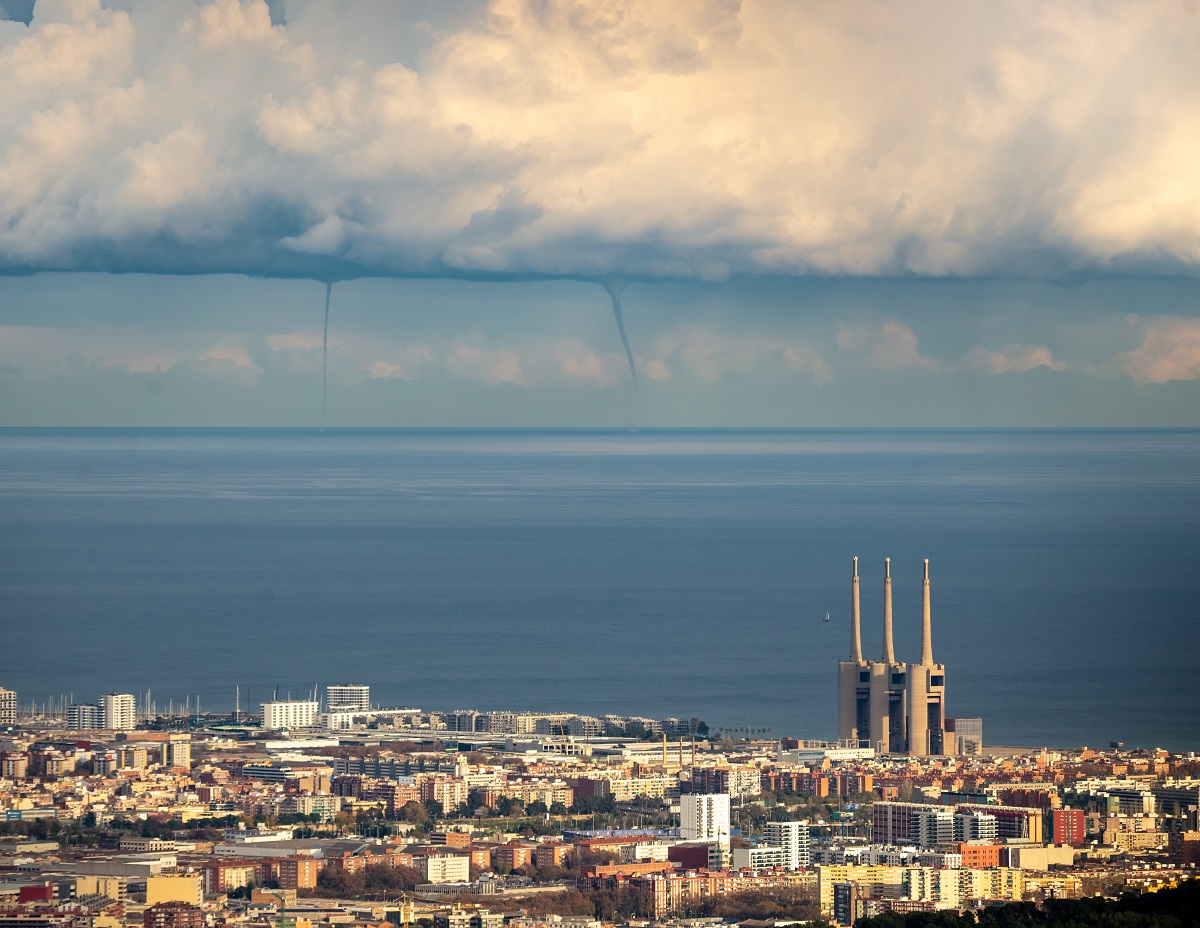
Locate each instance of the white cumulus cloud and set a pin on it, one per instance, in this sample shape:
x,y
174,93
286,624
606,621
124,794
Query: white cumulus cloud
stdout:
x,y
1170,350
1014,359
659,138
890,346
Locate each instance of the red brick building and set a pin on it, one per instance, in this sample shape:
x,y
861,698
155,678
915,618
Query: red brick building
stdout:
x,y
552,854
221,876
481,856
450,838
298,872
1069,827
512,855
980,856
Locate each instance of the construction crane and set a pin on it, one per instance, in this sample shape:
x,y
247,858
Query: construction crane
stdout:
x,y
407,911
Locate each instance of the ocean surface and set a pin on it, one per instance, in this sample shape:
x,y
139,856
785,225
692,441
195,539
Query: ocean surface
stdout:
x,y
684,573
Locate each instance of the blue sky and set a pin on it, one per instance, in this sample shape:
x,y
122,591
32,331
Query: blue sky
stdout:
x,y
822,214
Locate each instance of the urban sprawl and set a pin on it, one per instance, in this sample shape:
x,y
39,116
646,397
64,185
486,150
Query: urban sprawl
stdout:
x,y
330,810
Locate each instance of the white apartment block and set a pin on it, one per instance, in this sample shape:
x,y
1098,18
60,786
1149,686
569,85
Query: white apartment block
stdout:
x,y
704,817
291,713
641,853
118,711
763,857
355,696
8,706
445,868
792,837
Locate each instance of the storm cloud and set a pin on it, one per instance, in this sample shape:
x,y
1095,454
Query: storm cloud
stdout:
x,y
624,139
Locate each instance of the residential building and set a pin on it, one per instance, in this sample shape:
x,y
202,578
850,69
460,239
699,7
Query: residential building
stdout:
x,y
353,696
289,713
934,826
872,881
704,817
1068,827
449,792
927,825
672,890
762,857
133,757
321,805
584,726
177,751
114,887
793,838
173,915
298,872
8,706
83,717
513,855
981,856
118,711
1184,848
14,765
450,838
444,868
552,854
221,876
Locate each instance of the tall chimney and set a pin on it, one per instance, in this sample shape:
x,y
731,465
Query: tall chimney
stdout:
x,y
926,628
855,623
889,654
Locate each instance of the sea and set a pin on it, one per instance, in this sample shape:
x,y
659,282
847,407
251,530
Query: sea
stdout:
x,y
653,573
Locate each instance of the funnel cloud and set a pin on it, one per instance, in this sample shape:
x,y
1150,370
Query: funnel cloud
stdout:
x,y
325,350
615,288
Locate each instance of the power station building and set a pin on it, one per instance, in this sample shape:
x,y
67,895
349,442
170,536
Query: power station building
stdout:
x,y
889,705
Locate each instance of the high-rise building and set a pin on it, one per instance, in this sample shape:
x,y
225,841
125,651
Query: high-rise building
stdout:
x,y
1068,826
118,711
704,817
355,696
889,705
8,706
793,838
291,713
83,717
177,751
